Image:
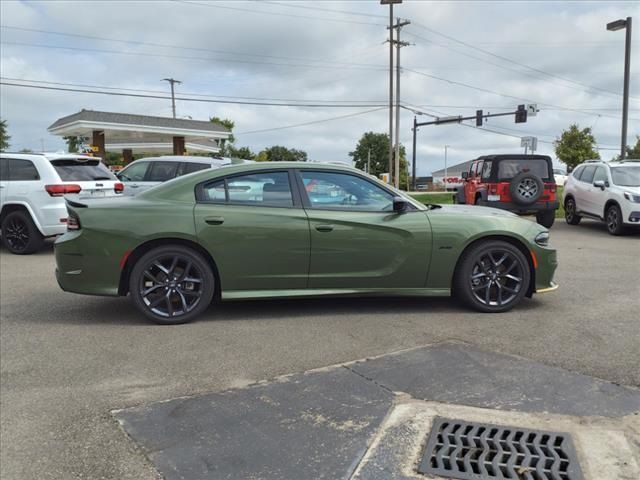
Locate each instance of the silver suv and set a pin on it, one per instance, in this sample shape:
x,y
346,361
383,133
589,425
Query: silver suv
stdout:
x,y
32,187
148,172
607,191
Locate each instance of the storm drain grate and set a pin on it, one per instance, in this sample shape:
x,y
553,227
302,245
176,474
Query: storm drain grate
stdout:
x,y
472,451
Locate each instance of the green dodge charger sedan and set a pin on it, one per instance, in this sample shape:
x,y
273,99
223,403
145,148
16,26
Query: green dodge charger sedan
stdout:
x,y
294,230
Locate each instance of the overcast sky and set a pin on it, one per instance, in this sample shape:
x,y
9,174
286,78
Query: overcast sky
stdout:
x,y
326,51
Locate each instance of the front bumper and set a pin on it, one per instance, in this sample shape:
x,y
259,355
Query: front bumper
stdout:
x,y
546,262
521,209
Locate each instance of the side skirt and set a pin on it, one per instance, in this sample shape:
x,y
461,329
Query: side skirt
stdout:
x,y
337,292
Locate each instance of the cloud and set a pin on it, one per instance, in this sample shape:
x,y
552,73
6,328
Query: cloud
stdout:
x,y
270,50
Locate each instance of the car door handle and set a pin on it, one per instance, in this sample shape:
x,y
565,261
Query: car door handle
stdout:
x,y
214,220
324,228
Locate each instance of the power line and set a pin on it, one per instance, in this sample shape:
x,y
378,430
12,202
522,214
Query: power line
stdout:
x,y
306,7
207,59
493,92
188,99
182,47
510,60
263,12
190,94
312,122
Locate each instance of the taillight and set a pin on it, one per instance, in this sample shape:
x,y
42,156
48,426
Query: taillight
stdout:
x,y
493,188
60,190
118,187
73,222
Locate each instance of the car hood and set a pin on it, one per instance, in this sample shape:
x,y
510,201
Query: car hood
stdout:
x,y
474,211
635,190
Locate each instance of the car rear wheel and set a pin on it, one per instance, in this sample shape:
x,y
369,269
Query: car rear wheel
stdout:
x,y
546,218
172,284
492,276
570,214
614,220
20,235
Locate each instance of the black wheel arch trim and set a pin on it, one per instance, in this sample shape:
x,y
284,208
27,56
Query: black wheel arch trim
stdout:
x,y
140,250
516,242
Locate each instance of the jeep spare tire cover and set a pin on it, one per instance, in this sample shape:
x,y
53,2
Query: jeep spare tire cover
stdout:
x,y
526,188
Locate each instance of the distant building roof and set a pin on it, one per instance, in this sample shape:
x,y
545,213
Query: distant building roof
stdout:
x,y
113,118
460,167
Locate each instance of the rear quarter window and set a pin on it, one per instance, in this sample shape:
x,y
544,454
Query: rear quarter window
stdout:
x,y
22,170
72,170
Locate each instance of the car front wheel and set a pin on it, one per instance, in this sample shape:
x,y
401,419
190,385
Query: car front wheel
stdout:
x,y
492,276
614,220
172,284
20,235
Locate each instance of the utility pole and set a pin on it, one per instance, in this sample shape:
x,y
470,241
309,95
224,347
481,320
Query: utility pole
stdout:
x,y
413,163
173,96
399,24
369,161
445,166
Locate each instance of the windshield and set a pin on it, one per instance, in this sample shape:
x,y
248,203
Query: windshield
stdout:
x,y
507,169
626,176
78,170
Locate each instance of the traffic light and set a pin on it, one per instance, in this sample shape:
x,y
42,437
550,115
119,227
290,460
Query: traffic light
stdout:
x,y
478,118
521,114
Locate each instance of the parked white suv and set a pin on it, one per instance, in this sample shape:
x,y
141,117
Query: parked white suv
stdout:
x,y
32,187
606,191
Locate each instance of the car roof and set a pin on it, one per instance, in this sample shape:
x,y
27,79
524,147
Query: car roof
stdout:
x,y
47,155
514,156
184,158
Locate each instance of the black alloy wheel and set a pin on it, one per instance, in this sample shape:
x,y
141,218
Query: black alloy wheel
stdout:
x,y
492,276
172,285
614,220
20,235
570,215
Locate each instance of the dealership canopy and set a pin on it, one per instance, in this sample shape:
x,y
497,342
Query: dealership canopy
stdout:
x,y
129,132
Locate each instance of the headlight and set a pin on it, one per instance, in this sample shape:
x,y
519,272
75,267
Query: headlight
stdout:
x,y
631,197
542,239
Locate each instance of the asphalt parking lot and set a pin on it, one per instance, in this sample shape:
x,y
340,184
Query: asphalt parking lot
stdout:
x,y
68,360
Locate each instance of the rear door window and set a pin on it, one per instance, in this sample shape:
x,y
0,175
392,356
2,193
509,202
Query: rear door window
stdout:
x,y
190,167
507,169
78,170
162,171
587,174
22,170
266,189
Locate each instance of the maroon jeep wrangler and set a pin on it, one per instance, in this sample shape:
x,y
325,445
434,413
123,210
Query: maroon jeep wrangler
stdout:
x,y
523,184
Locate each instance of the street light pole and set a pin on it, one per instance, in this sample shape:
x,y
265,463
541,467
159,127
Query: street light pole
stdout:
x,y
614,26
173,97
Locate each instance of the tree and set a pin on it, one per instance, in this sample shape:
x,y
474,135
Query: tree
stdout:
x,y
378,145
632,152
74,143
228,143
575,146
242,152
4,137
278,153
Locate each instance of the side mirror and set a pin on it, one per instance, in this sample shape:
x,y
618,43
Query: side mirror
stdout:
x,y
600,184
465,175
399,204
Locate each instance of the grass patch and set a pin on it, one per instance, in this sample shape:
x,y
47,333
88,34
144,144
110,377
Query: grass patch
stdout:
x,y
443,198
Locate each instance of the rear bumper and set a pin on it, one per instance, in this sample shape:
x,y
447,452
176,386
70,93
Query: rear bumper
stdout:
x,y
521,209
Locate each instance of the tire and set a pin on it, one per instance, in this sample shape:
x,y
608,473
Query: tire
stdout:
x,y
546,218
570,215
526,188
20,235
488,271
172,284
613,219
